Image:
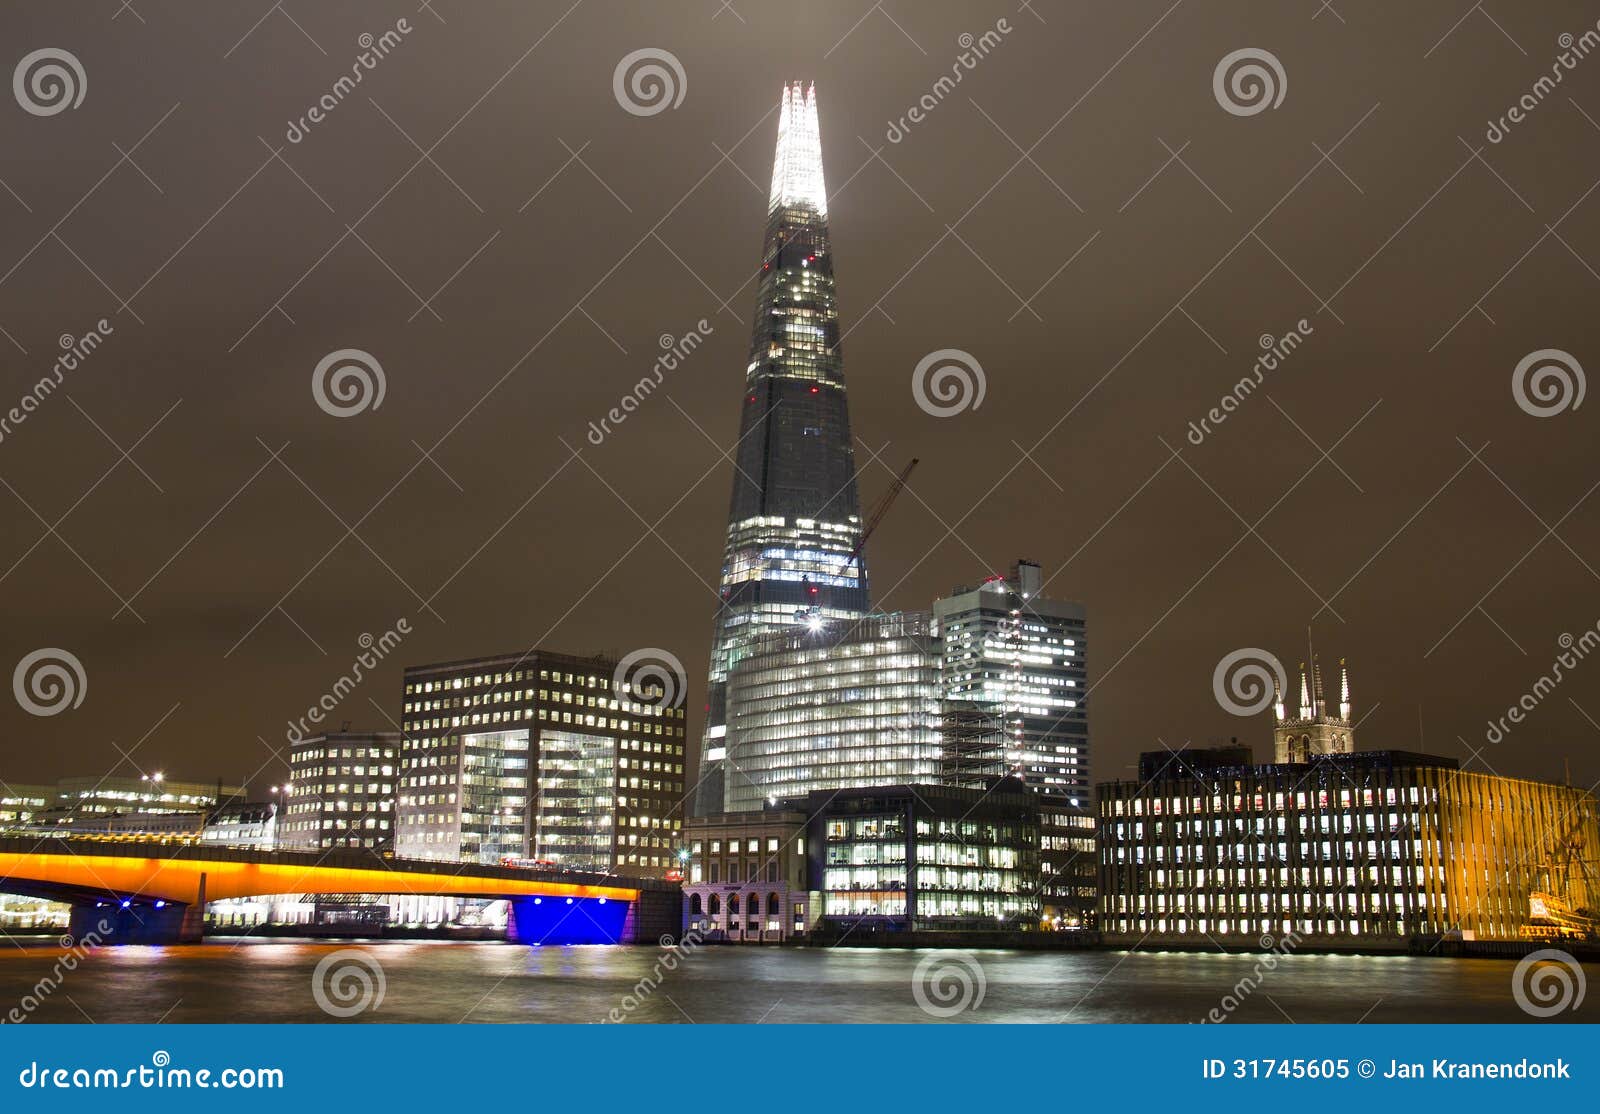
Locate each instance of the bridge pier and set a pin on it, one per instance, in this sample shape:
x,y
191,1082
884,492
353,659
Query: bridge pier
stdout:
x,y
655,918
145,923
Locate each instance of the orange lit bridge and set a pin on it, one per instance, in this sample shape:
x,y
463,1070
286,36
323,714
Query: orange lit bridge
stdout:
x,y
155,893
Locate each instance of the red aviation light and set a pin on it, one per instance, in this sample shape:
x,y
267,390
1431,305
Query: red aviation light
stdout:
x,y
815,390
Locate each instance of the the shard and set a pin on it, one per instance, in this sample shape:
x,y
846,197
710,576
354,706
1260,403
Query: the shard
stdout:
x,y
794,522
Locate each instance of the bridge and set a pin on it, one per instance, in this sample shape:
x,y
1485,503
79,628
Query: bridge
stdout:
x,y
156,893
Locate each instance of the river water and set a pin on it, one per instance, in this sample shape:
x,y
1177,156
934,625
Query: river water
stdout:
x,y
253,980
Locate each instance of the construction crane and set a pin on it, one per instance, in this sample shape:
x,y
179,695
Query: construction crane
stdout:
x,y
812,616
880,509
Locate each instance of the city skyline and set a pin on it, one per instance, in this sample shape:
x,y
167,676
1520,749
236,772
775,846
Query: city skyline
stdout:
x,y
1459,610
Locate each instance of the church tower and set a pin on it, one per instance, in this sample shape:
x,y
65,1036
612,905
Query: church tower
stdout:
x,y
1313,730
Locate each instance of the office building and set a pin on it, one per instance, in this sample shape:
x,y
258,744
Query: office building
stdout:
x,y
341,792
1014,676
794,520
20,803
541,756
243,824
1371,849
925,857
122,805
845,705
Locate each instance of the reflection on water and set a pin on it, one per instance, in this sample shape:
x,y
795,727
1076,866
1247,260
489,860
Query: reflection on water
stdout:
x,y
272,981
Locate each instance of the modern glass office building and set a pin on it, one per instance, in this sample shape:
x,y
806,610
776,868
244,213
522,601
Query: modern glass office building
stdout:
x,y
794,520
926,857
538,755
1014,679
1009,649
849,705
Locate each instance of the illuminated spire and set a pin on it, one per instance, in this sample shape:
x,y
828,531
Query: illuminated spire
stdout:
x,y
1277,701
797,168
1344,691
1305,695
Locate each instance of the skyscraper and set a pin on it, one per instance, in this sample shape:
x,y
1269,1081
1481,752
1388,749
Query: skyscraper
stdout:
x,y
794,521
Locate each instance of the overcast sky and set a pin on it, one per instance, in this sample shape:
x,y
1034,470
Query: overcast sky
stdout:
x,y
1082,214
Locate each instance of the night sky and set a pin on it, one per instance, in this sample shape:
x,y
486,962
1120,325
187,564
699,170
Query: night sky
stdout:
x,y
1080,214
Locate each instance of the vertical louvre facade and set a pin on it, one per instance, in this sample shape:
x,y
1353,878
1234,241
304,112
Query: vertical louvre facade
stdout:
x,y
1364,848
794,520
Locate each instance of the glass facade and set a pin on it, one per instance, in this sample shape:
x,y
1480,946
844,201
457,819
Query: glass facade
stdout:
x,y
485,735
926,857
850,705
1009,650
576,778
794,523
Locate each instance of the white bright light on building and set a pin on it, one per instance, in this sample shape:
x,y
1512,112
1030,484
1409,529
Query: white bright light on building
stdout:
x,y
797,169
